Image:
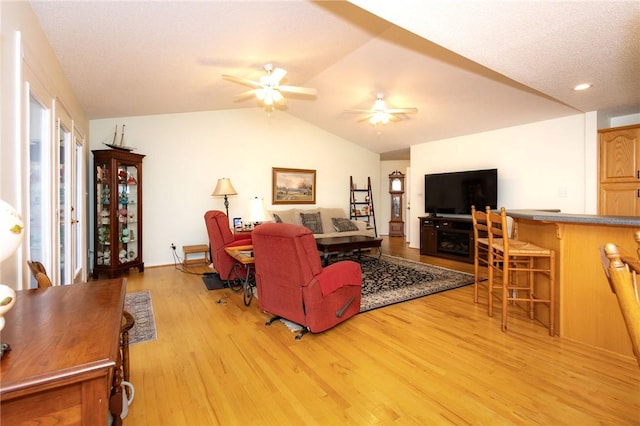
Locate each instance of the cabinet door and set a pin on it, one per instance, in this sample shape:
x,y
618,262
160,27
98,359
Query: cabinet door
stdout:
x,y
620,199
620,155
128,212
103,216
427,238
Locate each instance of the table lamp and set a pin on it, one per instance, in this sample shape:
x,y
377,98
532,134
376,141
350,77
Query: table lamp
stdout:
x,y
225,188
11,232
257,211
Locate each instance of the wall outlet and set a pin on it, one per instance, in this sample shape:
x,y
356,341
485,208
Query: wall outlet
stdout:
x,y
562,192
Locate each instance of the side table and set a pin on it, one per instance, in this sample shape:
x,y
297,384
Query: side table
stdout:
x,y
243,256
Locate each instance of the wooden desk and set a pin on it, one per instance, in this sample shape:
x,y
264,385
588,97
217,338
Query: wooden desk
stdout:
x,y
64,352
587,310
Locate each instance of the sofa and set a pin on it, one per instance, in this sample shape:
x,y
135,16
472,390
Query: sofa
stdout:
x,y
324,222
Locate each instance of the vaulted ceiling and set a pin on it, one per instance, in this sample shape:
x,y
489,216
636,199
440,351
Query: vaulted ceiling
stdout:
x,y
468,66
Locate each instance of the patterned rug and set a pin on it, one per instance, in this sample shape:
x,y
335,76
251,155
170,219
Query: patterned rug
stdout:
x,y
392,280
139,305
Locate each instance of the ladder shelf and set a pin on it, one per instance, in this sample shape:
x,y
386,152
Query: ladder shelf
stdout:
x,y
361,204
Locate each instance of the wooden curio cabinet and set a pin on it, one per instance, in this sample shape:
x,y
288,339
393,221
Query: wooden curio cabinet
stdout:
x,y
118,212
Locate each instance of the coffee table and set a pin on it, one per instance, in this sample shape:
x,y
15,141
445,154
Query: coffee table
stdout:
x,y
345,244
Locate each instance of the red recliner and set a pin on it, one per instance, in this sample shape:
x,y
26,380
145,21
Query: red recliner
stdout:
x,y
220,236
292,284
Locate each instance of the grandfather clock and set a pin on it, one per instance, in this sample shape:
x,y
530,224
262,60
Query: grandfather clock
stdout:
x,y
396,189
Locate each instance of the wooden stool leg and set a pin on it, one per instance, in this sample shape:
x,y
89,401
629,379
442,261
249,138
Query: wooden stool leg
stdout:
x,y
476,270
531,288
552,293
505,292
490,284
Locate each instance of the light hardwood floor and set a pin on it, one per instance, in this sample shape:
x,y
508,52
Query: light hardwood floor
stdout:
x,y
431,361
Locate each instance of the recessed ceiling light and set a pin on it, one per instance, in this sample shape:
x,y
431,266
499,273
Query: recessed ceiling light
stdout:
x,y
583,86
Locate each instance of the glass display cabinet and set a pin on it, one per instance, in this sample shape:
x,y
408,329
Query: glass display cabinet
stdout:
x,y
117,212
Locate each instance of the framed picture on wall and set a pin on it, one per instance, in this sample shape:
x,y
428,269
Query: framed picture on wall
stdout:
x,y
293,186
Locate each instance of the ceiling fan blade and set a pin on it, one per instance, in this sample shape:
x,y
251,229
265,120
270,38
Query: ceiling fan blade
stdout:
x,y
360,111
299,90
402,110
278,74
365,118
244,95
242,80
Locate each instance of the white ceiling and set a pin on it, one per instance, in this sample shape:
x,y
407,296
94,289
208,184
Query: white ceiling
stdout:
x,y
515,62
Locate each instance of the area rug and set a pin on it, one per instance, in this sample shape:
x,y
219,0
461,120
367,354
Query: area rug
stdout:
x,y
139,305
390,280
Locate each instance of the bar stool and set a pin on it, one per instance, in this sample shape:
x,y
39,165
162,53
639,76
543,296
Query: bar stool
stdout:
x,y
509,260
480,246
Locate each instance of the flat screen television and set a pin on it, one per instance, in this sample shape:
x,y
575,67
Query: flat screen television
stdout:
x,y
455,193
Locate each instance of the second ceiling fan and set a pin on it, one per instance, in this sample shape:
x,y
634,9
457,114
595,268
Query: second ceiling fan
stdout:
x,y
380,114
268,89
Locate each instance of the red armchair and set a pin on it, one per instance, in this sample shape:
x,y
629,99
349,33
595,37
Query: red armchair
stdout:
x,y
293,285
220,237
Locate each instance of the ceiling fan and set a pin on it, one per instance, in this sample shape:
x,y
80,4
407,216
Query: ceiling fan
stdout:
x,y
380,114
268,89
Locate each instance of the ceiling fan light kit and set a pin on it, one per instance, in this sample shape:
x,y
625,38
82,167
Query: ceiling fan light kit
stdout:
x,y
379,117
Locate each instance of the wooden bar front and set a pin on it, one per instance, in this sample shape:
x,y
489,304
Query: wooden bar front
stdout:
x,y
587,310
64,350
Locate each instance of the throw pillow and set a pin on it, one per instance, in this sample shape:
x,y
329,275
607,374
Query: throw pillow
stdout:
x,y
277,218
312,221
343,224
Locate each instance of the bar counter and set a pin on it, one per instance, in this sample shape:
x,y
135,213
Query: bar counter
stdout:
x,y
587,310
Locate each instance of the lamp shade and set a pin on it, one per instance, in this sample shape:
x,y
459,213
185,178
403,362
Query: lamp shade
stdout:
x,y
224,187
11,230
257,211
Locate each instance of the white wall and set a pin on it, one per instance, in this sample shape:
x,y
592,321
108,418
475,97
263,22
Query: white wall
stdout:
x,y
540,165
625,120
187,153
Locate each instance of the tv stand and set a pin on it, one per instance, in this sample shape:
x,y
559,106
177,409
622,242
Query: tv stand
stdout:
x,y
447,237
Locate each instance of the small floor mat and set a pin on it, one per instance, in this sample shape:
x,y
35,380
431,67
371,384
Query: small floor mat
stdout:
x,y
212,281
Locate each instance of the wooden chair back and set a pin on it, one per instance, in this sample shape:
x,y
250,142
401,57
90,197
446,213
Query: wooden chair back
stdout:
x,y
479,219
623,279
42,280
496,222
39,272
